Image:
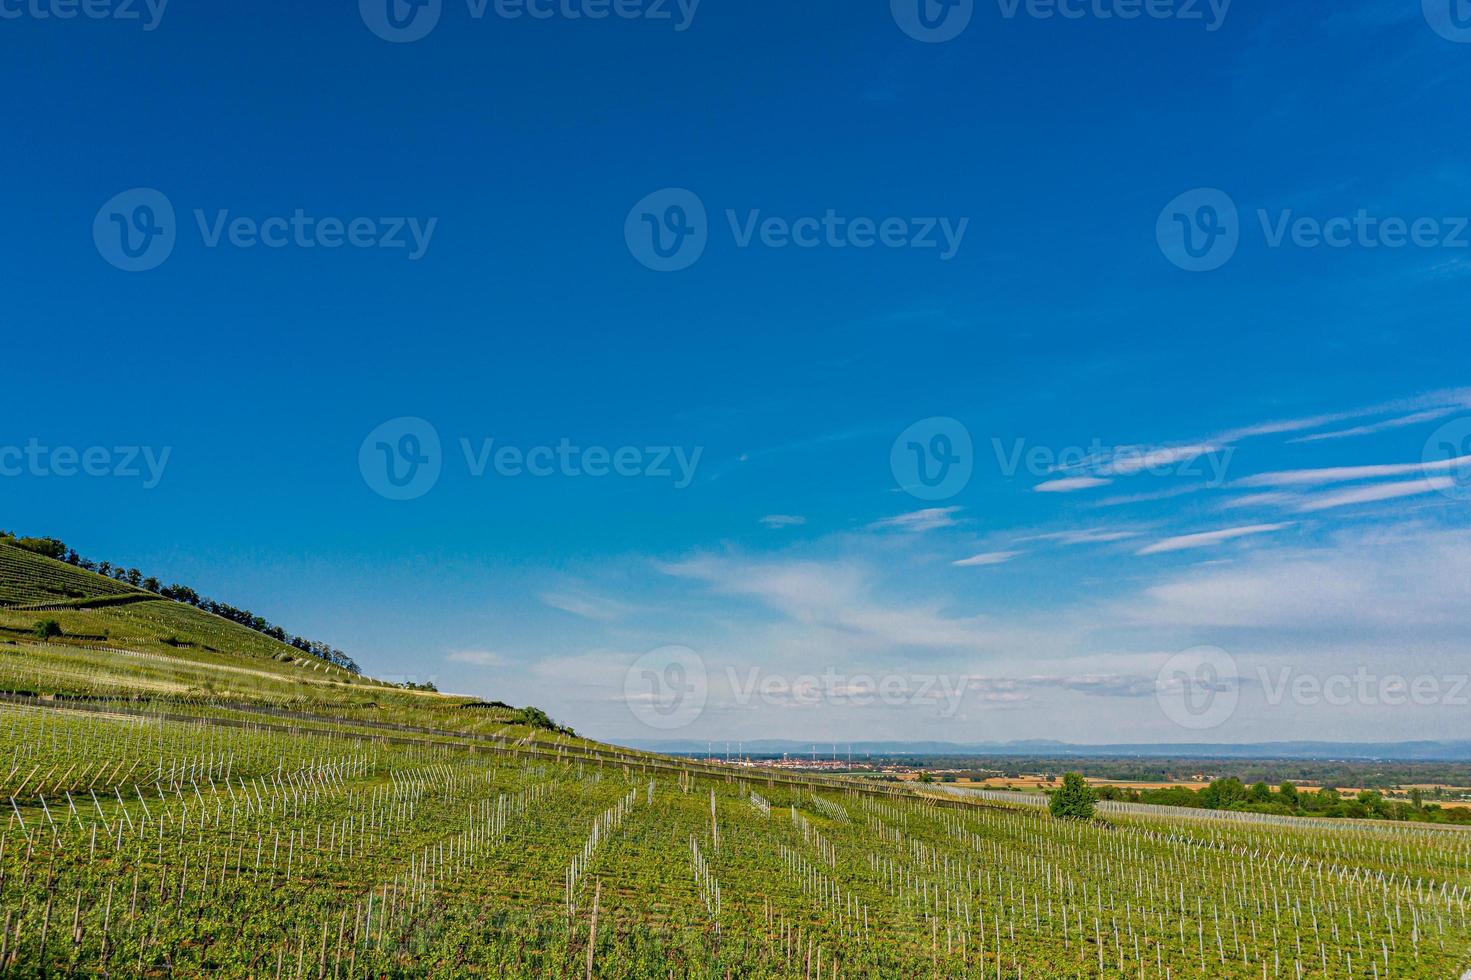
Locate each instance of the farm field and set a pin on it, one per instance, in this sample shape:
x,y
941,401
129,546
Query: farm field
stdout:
x,y
143,846
185,799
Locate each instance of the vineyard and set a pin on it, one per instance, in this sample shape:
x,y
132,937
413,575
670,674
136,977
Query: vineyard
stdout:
x,y
183,800
148,845
27,579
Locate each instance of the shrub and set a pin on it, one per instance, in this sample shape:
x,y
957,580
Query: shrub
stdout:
x,y
47,628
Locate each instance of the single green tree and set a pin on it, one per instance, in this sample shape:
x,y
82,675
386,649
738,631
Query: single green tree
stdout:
x,y
1075,800
1221,793
47,628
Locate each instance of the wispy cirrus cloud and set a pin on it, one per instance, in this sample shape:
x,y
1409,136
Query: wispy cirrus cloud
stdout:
x,y
929,519
1386,425
988,558
1205,539
1071,484
480,658
1349,474
1450,400
586,605
1130,460
1375,492
778,521
1271,498
1096,535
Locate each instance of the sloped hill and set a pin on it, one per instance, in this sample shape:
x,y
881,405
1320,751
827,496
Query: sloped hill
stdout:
x,y
29,579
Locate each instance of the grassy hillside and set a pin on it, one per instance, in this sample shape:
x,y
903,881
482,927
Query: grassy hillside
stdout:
x,y
122,643
30,579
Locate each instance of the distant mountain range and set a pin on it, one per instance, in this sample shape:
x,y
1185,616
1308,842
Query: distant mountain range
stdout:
x,y
1426,751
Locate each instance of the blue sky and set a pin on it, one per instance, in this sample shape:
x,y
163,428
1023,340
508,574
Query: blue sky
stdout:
x,y
526,154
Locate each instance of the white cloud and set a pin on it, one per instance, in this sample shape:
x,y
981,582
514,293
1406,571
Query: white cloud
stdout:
x,y
835,601
1071,484
1375,492
1453,399
587,606
1403,581
1349,474
480,658
1129,460
928,519
1084,536
1149,498
1206,538
989,558
776,521
1271,498
1398,422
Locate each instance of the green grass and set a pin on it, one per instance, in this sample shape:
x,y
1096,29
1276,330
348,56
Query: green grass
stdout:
x,y
27,579
187,798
